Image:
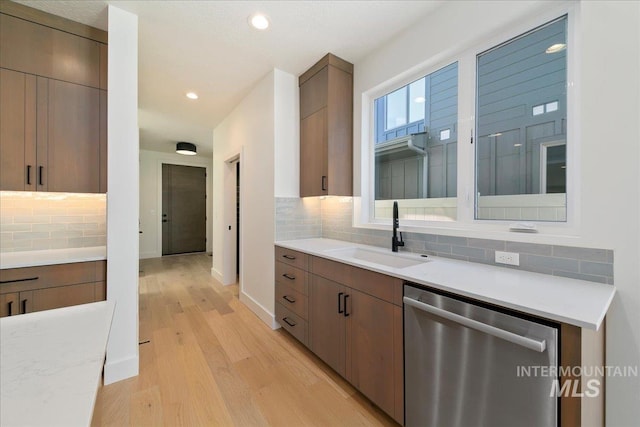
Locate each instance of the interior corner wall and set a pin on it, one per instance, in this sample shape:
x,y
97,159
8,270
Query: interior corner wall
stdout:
x,y
247,130
151,198
122,197
287,135
609,105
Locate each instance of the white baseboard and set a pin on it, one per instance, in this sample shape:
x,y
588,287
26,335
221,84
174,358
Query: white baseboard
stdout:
x,y
216,274
259,310
147,255
121,369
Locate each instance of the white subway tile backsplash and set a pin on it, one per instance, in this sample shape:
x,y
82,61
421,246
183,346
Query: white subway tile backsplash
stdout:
x,y
37,221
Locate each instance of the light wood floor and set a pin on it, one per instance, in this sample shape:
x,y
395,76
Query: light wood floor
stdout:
x,y
210,361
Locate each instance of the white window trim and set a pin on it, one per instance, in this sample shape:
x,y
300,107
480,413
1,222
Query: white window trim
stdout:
x,y
363,216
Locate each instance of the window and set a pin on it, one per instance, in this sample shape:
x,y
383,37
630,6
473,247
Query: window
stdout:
x,y
416,147
521,106
508,104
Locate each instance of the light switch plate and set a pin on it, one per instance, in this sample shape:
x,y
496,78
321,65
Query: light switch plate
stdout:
x,y
510,258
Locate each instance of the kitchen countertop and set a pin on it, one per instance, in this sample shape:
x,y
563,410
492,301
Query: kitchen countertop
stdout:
x,y
576,302
51,364
51,256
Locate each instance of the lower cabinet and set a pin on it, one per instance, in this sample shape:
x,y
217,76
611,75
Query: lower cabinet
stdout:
x,y
350,318
29,289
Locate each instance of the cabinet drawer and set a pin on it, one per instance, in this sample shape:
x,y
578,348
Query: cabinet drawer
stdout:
x,y
292,323
292,299
29,278
63,296
291,276
294,258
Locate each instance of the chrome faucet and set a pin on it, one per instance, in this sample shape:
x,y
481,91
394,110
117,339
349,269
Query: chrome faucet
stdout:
x,y
395,242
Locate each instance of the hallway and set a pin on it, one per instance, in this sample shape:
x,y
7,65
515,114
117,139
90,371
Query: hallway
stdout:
x,y
210,361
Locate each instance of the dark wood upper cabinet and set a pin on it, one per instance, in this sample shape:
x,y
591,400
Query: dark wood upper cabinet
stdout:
x,y
17,131
326,128
53,115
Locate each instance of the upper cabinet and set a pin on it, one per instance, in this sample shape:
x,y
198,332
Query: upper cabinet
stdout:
x,y
326,128
53,103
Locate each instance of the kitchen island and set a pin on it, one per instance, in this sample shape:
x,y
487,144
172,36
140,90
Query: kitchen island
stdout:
x,y
51,364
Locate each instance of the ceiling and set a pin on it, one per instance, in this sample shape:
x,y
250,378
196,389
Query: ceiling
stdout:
x,y
209,48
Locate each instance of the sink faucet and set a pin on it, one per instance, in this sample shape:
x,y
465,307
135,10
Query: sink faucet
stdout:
x,y
395,242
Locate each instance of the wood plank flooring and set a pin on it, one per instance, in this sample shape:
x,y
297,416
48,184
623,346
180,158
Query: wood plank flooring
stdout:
x,y
211,362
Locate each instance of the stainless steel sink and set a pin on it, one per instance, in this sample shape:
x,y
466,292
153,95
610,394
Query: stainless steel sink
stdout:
x,y
376,257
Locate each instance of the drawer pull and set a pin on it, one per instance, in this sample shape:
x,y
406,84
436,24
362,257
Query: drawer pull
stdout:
x,y
290,257
10,308
28,279
287,298
345,306
288,276
289,322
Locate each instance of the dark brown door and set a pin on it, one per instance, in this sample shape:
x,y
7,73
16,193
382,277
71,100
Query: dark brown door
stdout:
x,y
17,131
184,209
327,323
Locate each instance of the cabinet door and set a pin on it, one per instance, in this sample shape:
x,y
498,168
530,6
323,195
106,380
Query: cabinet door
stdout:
x,y
17,131
326,323
73,139
314,93
313,155
370,348
9,304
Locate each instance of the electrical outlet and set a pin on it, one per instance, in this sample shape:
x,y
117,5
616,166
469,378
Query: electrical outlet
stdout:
x,y
510,258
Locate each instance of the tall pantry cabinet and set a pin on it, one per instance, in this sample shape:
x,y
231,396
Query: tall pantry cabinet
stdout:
x,y
53,109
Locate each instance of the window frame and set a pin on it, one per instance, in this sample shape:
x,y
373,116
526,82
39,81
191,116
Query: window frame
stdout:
x,y
364,215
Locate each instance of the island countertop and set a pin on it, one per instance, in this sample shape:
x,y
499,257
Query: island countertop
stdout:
x,y
51,364
575,302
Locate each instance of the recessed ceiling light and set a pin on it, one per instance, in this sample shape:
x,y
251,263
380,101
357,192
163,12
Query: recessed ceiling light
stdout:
x,y
419,99
554,48
259,21
192,95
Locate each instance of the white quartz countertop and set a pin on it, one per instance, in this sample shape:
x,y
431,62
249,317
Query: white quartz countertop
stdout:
x,y
576,302
51,256
51,364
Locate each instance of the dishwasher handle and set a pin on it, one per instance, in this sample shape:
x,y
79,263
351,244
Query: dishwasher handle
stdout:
x,y
529,343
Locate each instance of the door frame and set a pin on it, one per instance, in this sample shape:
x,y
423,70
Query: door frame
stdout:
x,y
229,214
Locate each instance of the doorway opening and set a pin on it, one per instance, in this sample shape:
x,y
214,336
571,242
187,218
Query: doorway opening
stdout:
x,y
238,221
184,209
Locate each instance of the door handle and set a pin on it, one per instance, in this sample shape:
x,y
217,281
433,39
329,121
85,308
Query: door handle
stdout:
x,y
529,343
346,314
10,307
165,220
324,183
340,310
40,173
28,174
24,305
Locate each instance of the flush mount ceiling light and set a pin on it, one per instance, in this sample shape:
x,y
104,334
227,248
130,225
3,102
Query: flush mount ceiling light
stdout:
x,y
554,48
259,21
192,95
186,148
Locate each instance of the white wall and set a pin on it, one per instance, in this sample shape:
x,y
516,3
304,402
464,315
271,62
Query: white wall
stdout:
x,y
287,135
249,129
151,197
122,197
609,110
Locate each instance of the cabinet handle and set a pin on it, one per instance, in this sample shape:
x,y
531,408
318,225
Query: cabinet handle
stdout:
x,y
288,257
28,279
324,183
24,305
345,306
288,322
28,174
287,298
10,306
288,276
40,173
340,310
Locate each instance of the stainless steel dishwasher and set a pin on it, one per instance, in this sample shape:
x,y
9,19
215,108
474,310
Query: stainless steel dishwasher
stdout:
x,y
463,364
